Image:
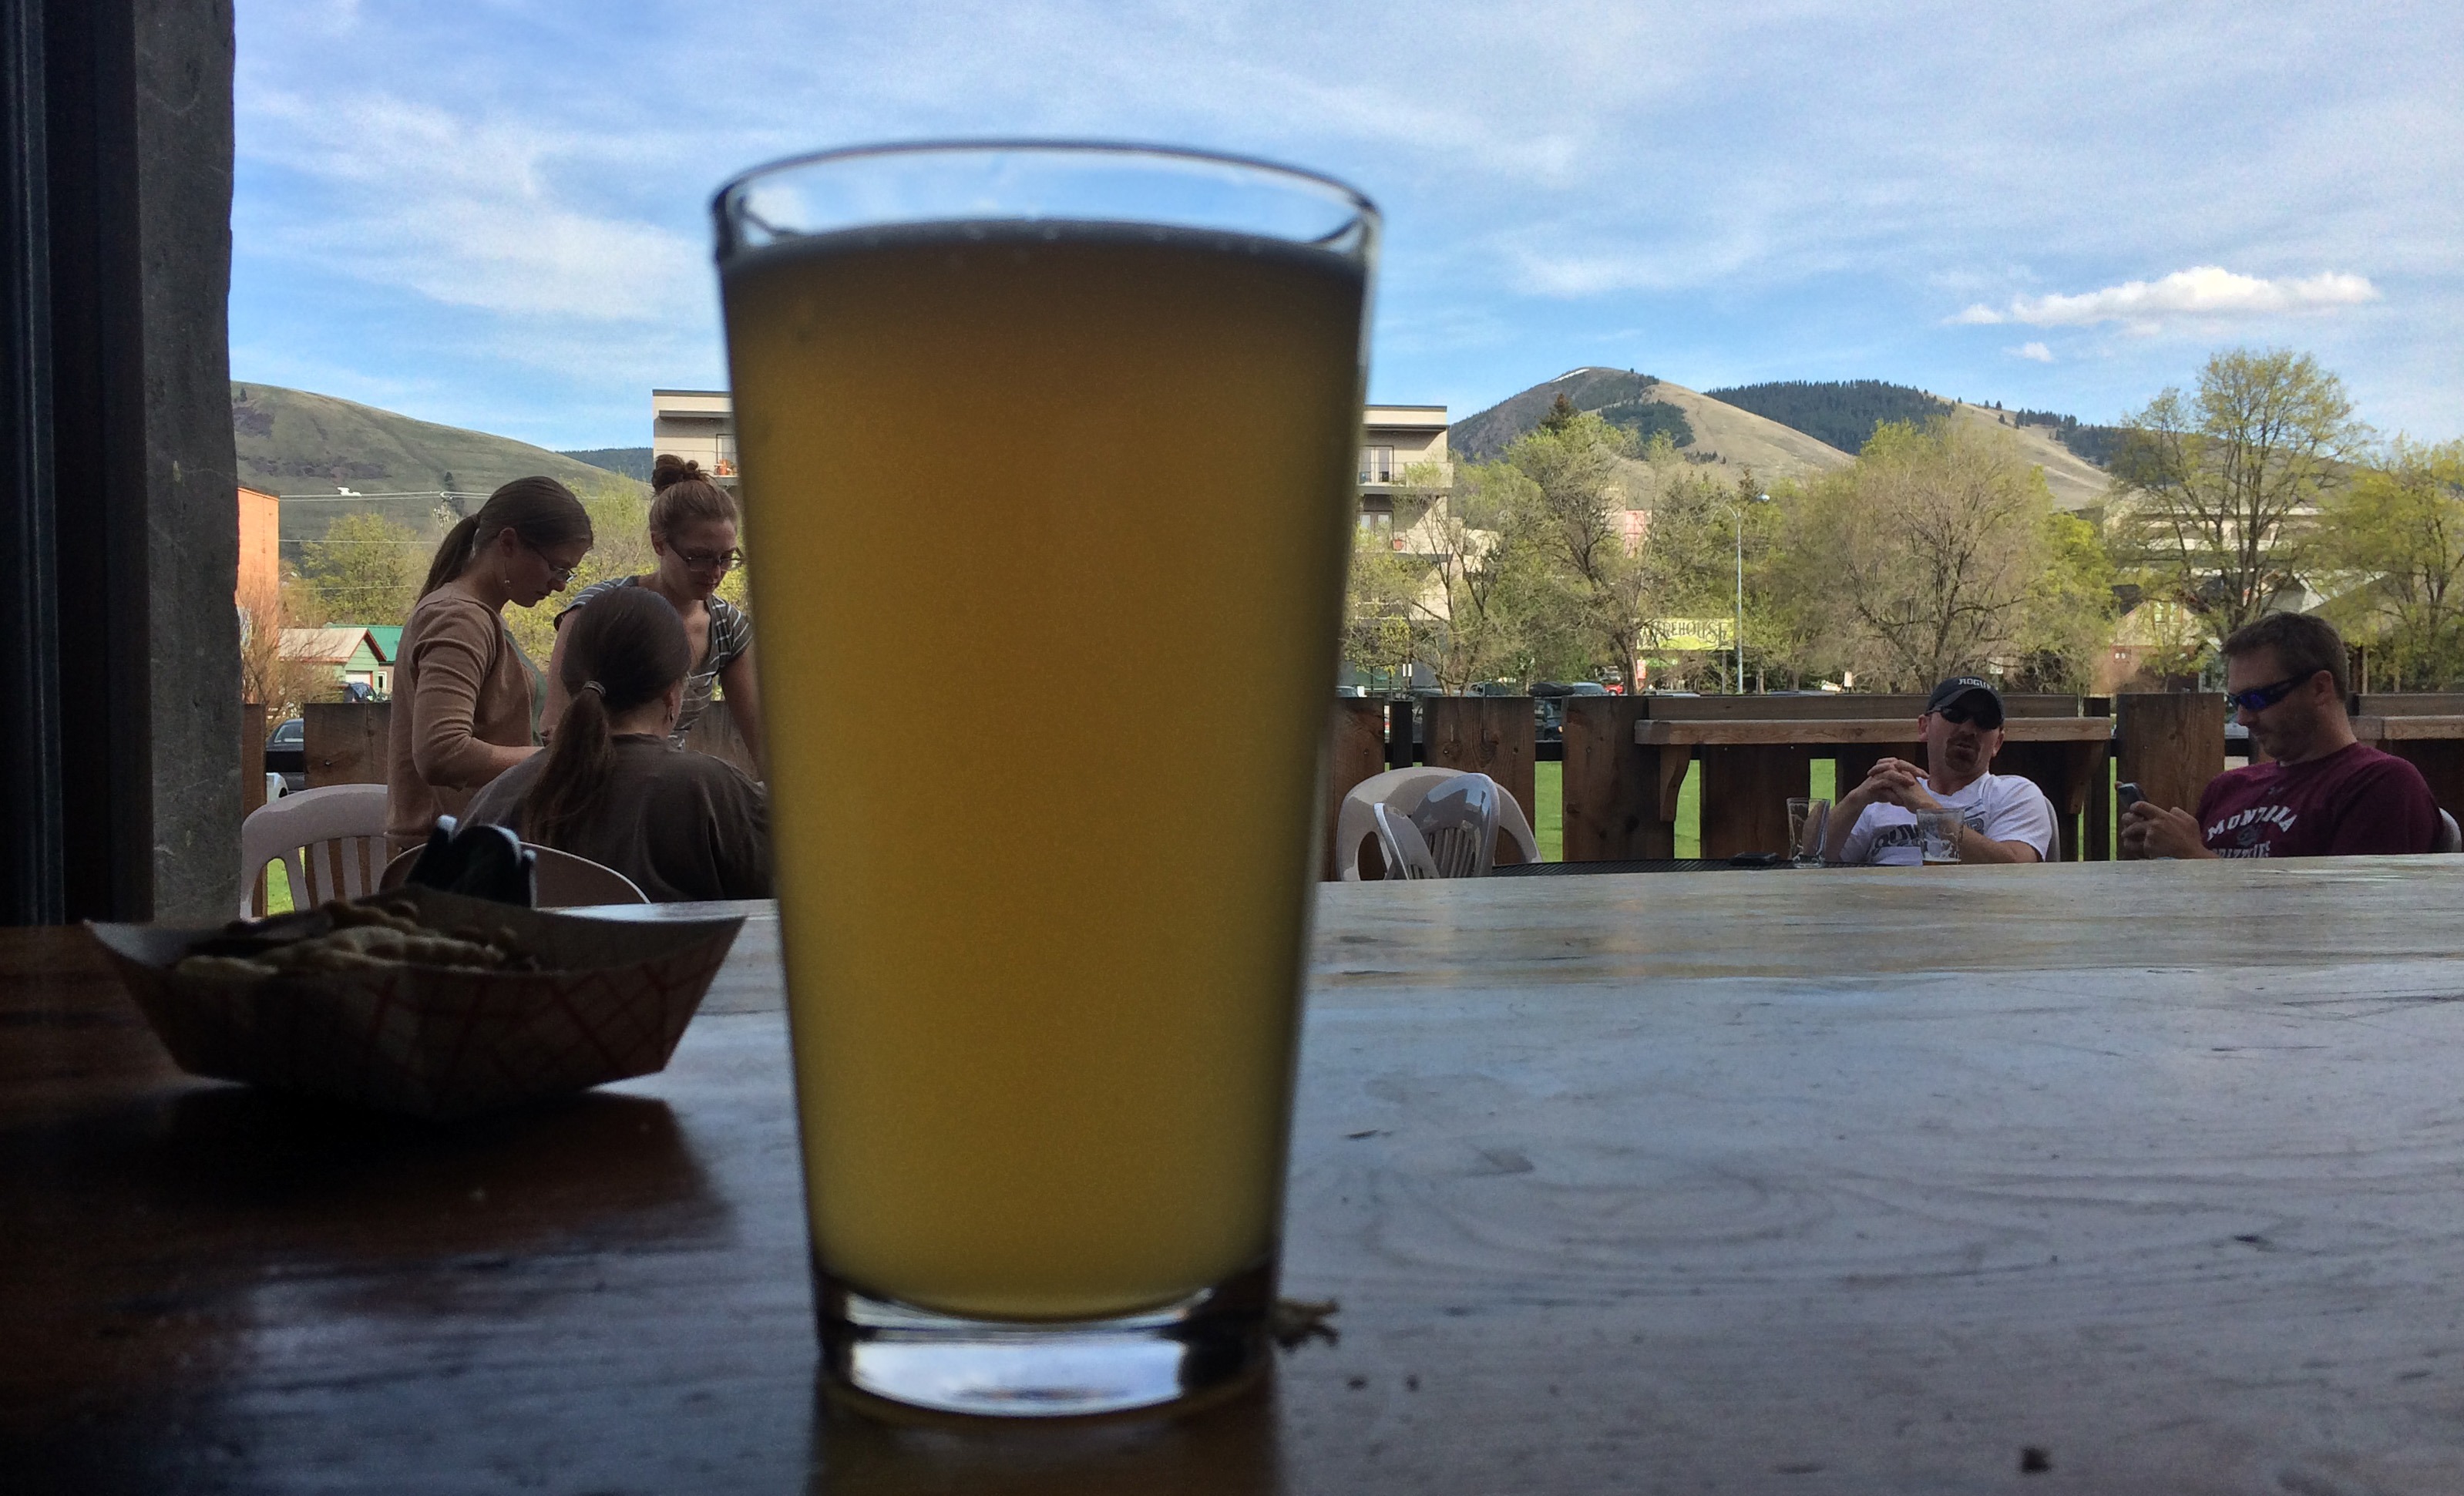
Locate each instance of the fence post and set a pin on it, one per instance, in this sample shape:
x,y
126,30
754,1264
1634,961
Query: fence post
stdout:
x,y
1612,785
1356,750
2171,743
347,741
1487,735
251,756
1745,791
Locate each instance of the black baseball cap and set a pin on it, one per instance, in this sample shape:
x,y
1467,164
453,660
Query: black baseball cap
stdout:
x,y
1959,686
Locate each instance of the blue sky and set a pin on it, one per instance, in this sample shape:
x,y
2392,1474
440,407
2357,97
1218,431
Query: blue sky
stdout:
x,y
492,212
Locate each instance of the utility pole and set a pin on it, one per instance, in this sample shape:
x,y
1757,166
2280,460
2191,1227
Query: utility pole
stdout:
x,y
1738,511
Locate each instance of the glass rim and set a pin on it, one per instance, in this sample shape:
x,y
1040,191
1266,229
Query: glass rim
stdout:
x,y
1054,145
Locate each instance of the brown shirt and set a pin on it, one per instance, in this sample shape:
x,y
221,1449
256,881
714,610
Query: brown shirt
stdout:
x,y
682,824
459,682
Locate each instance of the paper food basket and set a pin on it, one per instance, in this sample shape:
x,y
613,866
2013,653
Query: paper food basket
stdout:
x,y
610,1000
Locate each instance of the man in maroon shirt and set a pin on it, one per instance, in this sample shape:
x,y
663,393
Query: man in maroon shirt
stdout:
x,y
2326,794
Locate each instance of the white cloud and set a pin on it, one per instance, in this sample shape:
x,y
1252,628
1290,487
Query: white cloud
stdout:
x,y
2035,352
2203,292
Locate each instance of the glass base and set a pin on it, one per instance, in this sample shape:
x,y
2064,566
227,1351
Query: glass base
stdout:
x,y
1207,1345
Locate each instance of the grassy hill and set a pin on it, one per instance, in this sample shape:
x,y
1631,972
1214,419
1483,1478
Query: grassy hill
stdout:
x,y
1839,413
634,462
1722,435
2077,483
308,448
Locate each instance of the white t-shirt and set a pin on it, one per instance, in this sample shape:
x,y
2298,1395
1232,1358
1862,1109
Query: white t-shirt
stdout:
x,y
2003,806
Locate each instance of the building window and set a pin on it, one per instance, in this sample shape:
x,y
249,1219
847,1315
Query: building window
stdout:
x,y
1376,464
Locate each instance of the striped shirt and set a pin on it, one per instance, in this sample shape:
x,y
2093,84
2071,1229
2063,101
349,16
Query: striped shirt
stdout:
x,y
731,634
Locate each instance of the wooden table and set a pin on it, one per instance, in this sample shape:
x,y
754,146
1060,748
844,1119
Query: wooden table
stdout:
x,y
1853,1180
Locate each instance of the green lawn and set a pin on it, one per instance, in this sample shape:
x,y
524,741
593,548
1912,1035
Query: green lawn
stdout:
x,y
277,890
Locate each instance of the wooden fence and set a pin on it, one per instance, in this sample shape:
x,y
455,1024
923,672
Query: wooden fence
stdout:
x,y
1626,757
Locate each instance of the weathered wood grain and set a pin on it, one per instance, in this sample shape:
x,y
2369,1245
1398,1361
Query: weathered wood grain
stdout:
x,y
1485,735
1858,1181
1612,808
1859,730
2169,743
346,741
1356,750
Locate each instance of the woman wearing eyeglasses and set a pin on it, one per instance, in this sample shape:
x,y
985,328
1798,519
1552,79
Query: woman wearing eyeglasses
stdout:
x,y
692,529
463,689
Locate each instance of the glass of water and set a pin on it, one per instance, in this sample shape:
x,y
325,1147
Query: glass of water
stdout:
x,y
1808,820
1938,833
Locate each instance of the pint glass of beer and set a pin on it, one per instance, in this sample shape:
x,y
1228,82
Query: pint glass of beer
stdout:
x,y
1048,458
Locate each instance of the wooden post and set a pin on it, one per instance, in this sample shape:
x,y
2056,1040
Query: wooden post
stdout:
x,y
2171,743
1490,734
2441,763
1400,753
1745,791
1612,786
251,783
348,741
1356,750
251,756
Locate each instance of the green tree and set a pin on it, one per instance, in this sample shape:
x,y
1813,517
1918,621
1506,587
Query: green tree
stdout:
x,y
2211,487
2067,621
366,570
1923,558
2394,538
1570,512
1384,629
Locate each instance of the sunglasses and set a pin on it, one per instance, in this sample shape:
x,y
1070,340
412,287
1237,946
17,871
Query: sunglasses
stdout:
x,y
703,561
1960,717
2260,698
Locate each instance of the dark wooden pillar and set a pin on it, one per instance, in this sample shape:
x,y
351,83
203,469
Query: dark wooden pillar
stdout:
x,y
1356,750
1611,785
2171,743
1487,735
1746,790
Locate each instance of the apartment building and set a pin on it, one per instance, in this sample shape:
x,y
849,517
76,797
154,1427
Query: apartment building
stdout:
x,y
1400,445
697,424
1402,449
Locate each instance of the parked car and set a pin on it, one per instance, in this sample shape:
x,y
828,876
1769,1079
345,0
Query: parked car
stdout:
x,y
1548,703
286,753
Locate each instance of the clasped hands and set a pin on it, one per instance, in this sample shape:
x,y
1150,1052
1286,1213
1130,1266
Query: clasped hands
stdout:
x,y
1896,781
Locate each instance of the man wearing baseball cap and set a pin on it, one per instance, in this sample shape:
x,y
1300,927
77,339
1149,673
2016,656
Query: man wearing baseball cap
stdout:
x,y
2004,818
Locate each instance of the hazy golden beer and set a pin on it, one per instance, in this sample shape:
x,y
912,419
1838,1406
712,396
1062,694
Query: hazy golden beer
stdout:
x,y
1049,521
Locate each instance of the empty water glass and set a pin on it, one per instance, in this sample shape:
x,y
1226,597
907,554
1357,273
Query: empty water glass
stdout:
x,y
1938,833
1808,821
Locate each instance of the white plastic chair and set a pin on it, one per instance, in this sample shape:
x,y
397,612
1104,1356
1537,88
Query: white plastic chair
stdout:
x,y
1400,844
561,880
330,841
1403,791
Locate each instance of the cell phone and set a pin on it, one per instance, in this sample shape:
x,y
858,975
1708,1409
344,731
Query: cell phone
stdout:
x,y
2126,794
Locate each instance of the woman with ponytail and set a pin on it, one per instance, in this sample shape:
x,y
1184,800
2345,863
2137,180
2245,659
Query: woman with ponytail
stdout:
x,y
463,690
692,529
611,787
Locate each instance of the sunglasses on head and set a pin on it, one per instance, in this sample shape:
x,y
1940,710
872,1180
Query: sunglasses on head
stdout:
x,y
2259,699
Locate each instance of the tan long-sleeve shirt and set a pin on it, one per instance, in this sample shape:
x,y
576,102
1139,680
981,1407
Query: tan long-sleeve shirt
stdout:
x,y
460,684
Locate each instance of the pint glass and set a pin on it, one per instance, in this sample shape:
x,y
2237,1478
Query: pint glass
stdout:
x,y
1047,455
